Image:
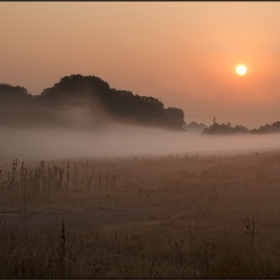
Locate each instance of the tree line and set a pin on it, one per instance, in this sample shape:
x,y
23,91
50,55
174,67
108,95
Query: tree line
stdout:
x,y
216,128
97,95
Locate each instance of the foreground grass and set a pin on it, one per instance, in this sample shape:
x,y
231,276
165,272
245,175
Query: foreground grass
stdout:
x,y
206,217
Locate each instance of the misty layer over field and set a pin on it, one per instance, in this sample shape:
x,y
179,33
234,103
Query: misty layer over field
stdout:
x,y
118,140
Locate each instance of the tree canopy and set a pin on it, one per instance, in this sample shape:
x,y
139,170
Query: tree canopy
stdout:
x,y
94,92
13,94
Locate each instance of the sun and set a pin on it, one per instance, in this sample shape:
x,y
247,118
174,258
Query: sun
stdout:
x,y
241,69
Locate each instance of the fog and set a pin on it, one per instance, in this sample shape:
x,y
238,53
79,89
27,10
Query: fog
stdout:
x,y
85,130
112,139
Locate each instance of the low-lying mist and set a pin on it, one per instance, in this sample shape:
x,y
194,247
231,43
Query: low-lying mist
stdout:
x,y
114,139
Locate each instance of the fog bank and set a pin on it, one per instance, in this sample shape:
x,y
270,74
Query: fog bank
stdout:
x,y
118,140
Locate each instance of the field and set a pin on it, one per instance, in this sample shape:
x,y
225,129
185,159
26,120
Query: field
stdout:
x,y
172,216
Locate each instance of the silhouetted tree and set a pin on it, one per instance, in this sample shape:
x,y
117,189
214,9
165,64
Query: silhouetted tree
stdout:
x,y
240,129
174,117
121,104
95,93
193,125
216,128
76,87
14,94
276,125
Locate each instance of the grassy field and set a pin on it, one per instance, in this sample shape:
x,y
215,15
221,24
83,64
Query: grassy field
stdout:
x,y
174,216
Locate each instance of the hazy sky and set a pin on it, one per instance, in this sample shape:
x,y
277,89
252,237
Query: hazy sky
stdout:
x,y
183,53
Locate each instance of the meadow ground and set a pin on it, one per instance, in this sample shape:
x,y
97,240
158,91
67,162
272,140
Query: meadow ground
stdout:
x,y
197,215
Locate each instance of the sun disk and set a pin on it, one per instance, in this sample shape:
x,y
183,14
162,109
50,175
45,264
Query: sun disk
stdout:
x,y
241,69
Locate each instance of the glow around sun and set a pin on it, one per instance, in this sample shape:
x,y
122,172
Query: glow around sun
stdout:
x,y
241,69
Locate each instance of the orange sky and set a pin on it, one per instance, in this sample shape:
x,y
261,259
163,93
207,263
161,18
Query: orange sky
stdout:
x,y
182,53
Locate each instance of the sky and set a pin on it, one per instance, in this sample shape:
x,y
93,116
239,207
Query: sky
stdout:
x,y
183,53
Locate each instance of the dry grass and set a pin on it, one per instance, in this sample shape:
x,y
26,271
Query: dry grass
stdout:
x,y
205,216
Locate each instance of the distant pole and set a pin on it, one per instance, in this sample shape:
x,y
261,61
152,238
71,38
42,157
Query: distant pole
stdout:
x,y
214,126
